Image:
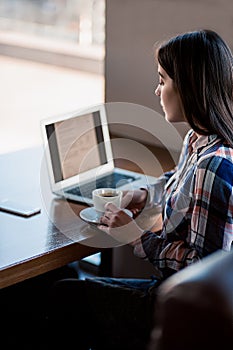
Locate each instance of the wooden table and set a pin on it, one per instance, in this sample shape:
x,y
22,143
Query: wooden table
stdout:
x,y
51,239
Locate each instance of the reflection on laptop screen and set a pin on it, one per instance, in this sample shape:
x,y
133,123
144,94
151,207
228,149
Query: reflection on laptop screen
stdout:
x,y
76,145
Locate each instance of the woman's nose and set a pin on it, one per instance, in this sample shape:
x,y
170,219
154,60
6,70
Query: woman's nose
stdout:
x,y
157,91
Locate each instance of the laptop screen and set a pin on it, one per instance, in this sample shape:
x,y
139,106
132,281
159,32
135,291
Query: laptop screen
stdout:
x,y
76,145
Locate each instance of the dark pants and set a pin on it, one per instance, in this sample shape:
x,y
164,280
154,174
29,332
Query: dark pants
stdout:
x,y
101,313
23,309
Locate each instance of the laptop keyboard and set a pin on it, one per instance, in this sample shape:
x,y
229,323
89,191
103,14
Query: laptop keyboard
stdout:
x,y
112,181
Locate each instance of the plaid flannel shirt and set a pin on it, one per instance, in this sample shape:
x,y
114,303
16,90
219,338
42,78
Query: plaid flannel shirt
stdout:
x,y
198,211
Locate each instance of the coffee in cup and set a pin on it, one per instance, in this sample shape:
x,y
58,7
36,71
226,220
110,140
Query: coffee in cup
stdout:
x,y
101,196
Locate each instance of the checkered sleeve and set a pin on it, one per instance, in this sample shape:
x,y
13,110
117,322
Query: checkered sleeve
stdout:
x,y
212,216
207,224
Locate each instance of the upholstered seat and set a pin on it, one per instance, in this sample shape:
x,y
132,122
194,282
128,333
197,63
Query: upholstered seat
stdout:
x,y
194,309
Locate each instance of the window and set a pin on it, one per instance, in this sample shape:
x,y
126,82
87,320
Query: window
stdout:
x,y
51,62
76,21
75,28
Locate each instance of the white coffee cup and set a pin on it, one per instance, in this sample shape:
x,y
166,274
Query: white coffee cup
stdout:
x,y
101,196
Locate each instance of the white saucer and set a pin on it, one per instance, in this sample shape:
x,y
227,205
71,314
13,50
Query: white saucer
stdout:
x,y
90,215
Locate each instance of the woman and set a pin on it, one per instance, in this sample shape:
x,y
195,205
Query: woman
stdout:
x,y
196,86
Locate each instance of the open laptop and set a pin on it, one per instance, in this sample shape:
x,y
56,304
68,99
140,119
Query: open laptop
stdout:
x,y
79,156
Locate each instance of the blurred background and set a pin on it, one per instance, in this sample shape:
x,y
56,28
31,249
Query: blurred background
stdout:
x,y
57,56
51,62
74,21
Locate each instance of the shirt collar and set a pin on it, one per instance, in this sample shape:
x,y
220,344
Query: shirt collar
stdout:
x,y
197,141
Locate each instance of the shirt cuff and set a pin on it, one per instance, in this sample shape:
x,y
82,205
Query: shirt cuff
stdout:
x,y
150,196
156,193
138,248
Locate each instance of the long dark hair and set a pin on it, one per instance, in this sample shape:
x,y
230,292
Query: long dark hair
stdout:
x,y
201,65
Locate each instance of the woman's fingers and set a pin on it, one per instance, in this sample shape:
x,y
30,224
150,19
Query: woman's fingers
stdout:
x,y
111,207
114,216
118,224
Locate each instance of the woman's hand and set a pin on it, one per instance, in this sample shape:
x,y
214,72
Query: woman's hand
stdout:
x,y
118,224
135,200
